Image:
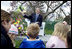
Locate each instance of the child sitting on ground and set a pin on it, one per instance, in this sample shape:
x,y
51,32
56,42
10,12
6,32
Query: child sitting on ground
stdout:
x,y
32,42
59,36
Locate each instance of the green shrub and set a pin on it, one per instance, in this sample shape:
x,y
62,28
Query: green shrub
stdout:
x,y
49,27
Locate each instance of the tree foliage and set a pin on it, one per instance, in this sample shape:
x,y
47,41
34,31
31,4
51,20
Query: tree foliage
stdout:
x,y
55,7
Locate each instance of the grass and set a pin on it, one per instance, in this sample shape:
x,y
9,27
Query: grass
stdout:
x,y
18,42
49,27
48,31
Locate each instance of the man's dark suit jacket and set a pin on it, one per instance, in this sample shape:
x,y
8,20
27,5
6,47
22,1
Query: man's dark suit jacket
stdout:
x,y
32,18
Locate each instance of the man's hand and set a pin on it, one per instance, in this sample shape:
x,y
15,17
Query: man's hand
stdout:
x,y
23,12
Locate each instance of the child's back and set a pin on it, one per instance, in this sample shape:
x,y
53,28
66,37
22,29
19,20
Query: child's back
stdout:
x,y
26,43
55,42
59,36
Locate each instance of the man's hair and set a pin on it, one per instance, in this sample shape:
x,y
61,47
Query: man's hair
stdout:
x,y
69,39
37,8
61,30
33,30
5,16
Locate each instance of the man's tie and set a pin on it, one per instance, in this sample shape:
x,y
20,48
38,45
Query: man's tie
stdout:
x,y
36,17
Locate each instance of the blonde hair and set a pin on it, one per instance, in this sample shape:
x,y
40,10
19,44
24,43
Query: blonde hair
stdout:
x,y
61,30
33,30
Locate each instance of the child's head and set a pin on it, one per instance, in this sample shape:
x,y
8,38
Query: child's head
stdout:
x,y
69,39
33,30
61,30
65,23
5,19
68,19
